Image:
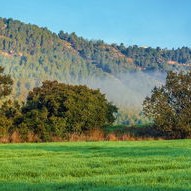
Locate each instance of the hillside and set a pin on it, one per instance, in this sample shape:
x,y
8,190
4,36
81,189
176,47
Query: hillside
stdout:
x,y
126,74
118,58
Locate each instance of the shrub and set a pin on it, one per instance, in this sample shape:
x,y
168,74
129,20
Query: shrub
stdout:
x,y
56,109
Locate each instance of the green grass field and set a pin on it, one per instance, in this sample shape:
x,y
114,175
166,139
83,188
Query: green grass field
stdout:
x,y
136,166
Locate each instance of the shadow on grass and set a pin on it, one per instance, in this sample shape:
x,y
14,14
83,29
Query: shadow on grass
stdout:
x,y
82,186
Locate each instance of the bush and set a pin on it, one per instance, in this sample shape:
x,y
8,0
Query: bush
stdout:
x,y
56,109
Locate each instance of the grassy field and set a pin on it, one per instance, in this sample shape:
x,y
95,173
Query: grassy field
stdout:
x,y
136,166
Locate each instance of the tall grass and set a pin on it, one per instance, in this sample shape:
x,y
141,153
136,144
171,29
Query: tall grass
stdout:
x,y
136,166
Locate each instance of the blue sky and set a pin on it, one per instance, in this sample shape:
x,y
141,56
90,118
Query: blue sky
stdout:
x,y
164,23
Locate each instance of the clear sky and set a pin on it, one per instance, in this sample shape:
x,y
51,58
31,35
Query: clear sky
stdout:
x,y
164,23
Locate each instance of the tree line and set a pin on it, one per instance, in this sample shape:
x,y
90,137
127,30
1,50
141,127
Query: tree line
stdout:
x,y
56,110
53,110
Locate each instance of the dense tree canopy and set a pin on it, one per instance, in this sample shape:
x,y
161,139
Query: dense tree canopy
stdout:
x,y
57,108
170,106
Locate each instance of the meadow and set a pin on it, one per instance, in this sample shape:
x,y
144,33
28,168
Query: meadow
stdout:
x,y
128,165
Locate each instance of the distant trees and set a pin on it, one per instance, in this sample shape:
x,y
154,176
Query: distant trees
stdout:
x,y
118,58
156,58
170,106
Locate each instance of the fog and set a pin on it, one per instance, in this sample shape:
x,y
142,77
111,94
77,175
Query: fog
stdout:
x,y
127,90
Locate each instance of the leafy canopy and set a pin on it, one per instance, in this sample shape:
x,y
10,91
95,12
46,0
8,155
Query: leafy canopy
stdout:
x,y
60,108
170,106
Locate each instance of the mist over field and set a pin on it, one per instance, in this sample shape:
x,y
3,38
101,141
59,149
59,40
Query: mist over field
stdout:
x,y
129,89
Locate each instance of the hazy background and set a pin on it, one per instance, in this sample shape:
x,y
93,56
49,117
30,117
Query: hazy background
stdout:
x,y
130,89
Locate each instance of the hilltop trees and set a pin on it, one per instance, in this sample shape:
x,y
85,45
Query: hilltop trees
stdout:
x,y
170,106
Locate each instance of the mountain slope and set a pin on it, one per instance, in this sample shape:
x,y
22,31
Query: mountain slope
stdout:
x,y
125,74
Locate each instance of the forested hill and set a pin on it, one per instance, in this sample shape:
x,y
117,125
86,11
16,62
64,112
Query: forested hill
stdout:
x,y
118,58
32,54
29,43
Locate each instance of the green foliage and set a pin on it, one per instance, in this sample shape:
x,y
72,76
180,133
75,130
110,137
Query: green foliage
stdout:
x,y
108,166
5,84
56,108
5,125
170,106
10,116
